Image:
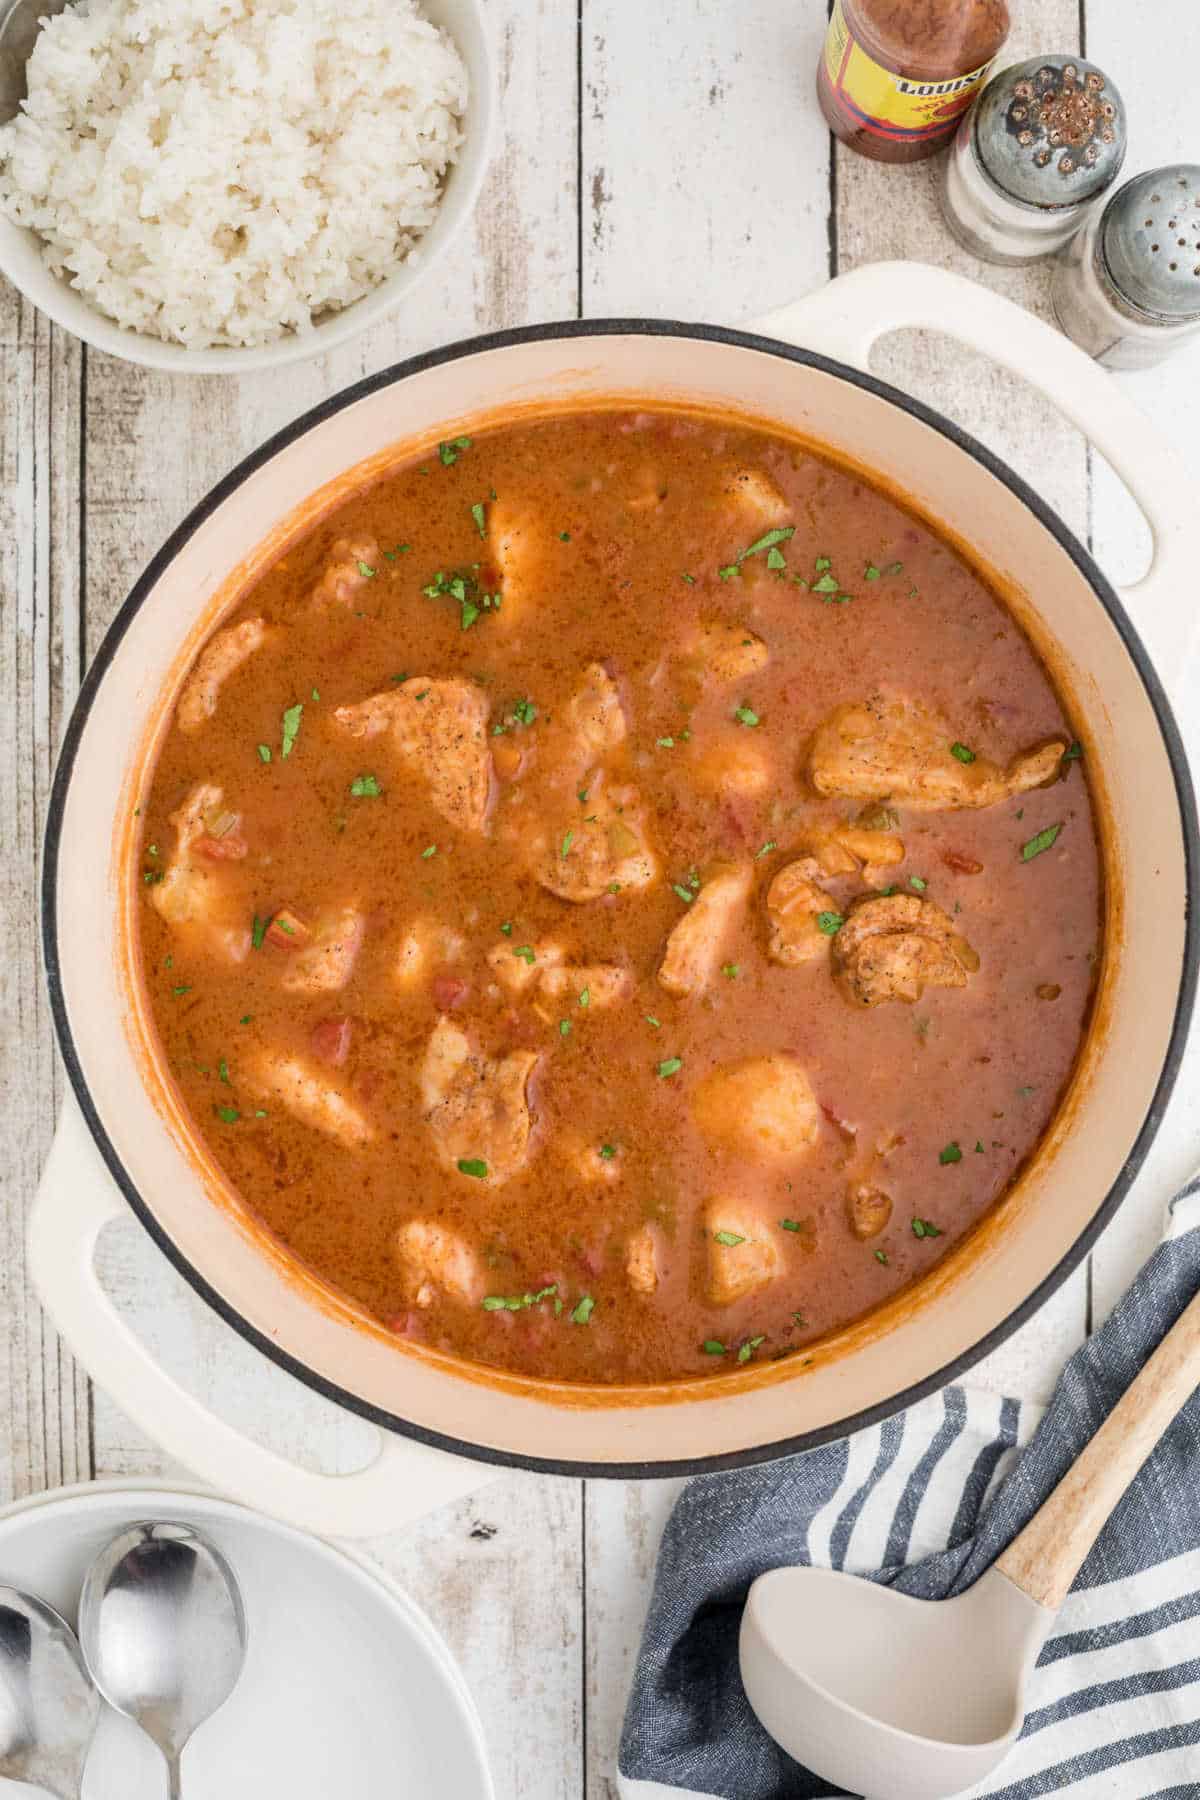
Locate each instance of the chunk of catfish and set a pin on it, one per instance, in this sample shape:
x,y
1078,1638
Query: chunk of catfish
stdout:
x,y
891,747
308,1095
698,938
741,1256
754,500
522,546
352,562
594,714
762,1108
326,963
844,849
732,764
435,1261
796,903
476,1108
439,730
221,657
641,1260
894,946
192,890
604,852
426,944
727,652
868,1209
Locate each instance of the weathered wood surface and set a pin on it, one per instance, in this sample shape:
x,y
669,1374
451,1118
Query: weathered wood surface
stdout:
x,y
663,160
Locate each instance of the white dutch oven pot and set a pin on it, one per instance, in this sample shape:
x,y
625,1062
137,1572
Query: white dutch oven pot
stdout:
x,y
119,1141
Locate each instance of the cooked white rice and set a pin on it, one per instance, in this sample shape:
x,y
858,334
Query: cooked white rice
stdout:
x,y
223,171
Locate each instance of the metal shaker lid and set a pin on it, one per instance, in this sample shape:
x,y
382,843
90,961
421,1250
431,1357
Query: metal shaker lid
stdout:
x,y
1050,131
1150,239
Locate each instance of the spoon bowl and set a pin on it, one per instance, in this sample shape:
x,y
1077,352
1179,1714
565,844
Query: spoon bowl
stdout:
x,y
892,1697
163,1629
48,1706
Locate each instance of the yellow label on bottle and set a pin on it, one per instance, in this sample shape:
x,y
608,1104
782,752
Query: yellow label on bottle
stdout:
x,y
900,107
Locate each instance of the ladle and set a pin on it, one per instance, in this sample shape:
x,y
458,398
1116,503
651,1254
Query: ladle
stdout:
x,y
896,1698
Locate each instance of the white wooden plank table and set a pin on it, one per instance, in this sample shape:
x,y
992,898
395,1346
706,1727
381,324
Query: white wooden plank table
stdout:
x,y
664,160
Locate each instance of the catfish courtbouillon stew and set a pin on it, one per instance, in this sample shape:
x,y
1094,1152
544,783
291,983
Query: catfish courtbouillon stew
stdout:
x,y
621,898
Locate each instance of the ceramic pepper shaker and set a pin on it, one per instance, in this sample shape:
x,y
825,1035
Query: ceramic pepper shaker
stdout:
x,y
1046,138
1128,289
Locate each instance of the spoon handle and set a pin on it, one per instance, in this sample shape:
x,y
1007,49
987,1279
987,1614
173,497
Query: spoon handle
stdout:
x,y
174,1779
1044,1559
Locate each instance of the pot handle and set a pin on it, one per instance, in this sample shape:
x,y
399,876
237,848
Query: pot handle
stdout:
x,y
76,1198
848,316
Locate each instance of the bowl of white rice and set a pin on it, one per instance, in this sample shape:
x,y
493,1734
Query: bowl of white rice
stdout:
x,y
227,185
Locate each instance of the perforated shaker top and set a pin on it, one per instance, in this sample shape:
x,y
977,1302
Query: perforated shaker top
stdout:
x,y
1151,241
1051,131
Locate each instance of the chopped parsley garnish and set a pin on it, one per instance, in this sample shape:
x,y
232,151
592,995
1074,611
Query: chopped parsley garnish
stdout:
x,y
564,1027
961,753
506,928
291,727
365,787
480,518
925,1228
745,714
366,571
607,1151
651,1020
258,931
517,1302
776,559
731,971
871,573
581,796
400,550
765,849
585,997
524,712
403,676
918,882
564,537
1073,752
830,923
729,571
1042,840
264,753
690,579
685,894
228,1115
223,1072
526,953
152,877
671,1066
472,1165
583,1312
951,1153
245,1018
178,991
791,1224
428,851
749,1347
826,584
462,586
881,1256
665,743
779,534
568,840
449,452
713,1347
729,1239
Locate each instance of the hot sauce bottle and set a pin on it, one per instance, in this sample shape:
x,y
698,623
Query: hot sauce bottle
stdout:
x,y
897,75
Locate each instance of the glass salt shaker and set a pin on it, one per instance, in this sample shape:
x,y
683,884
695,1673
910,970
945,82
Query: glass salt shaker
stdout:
x,y
1045,139
1128,290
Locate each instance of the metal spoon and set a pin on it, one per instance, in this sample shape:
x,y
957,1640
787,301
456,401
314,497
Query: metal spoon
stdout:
x,y
904,1699
164,1632
48,1706
20,23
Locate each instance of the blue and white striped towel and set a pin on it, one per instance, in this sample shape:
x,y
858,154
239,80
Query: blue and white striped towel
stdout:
x,y
925,1502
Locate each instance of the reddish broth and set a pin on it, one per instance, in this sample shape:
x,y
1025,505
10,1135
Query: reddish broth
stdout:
x,y
610,537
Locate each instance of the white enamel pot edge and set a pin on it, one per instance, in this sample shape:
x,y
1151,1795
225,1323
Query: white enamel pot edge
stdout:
x,y
1133,738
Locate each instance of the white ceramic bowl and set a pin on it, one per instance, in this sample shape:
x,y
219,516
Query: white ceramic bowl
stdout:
x,y
21,250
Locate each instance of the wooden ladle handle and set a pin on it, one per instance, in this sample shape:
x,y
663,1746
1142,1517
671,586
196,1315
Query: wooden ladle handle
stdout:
x,y
1044,1559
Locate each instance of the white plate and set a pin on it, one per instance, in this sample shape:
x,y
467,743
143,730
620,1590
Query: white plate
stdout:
x,y
348,1691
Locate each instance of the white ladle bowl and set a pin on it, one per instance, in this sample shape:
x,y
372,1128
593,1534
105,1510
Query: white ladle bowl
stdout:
x,y
896,1698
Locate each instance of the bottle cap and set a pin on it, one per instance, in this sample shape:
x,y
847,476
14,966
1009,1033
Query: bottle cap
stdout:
x,y
1150,242
1050,131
